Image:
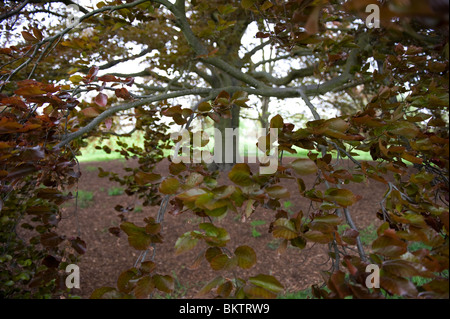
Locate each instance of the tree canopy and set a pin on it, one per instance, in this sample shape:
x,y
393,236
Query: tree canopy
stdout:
x,y
388,83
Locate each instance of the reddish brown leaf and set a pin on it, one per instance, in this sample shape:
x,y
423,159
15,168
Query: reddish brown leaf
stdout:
x,y
101,99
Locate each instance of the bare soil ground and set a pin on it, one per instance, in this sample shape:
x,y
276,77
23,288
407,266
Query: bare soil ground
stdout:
x,y
107,255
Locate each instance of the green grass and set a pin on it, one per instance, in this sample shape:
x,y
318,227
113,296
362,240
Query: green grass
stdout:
x,y
254,224
85,198
91,154
90,168
301,294
115,191
138,209
368,235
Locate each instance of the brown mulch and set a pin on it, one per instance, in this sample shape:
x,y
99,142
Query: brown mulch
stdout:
x,y
107,255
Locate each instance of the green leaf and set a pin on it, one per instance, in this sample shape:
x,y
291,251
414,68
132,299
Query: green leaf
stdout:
x,y
212,252
101,292
304,166
185,243
164,283
337,124
215,236
210,285
284,228
176,169
330,219
194,179
406,129
169,186
191,195
219,262
246,257
318,237
342,197
225,289
204,107
276,122
266,5
299,242
267,282
258,293
75,79
137,236
277,191
240,175
247,4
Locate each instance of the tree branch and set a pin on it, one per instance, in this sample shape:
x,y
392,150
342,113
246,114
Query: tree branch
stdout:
x,y
115,62
122,107
294,74
14,12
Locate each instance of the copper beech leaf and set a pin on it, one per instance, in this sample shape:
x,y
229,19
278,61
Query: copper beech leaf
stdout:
x,y
389,245
137,236
101,99
219,262
169,186
124,282
284,228
342,197
90,112
240,175
185,243
304,166
247,4
123,93
398,286
246,257
164,283
37,33
144,287
277,192
402,268
225,289
318,237
143,178
51,239
210,285
276,122
176,169
28,36
147,266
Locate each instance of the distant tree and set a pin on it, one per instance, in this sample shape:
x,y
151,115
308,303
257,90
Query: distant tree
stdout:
x,y
57,91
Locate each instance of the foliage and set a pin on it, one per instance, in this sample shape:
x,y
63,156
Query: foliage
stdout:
x,y
115,191
84,198
255,224
56,93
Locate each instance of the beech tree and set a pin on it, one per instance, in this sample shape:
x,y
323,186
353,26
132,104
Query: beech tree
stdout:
x,y
386,74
